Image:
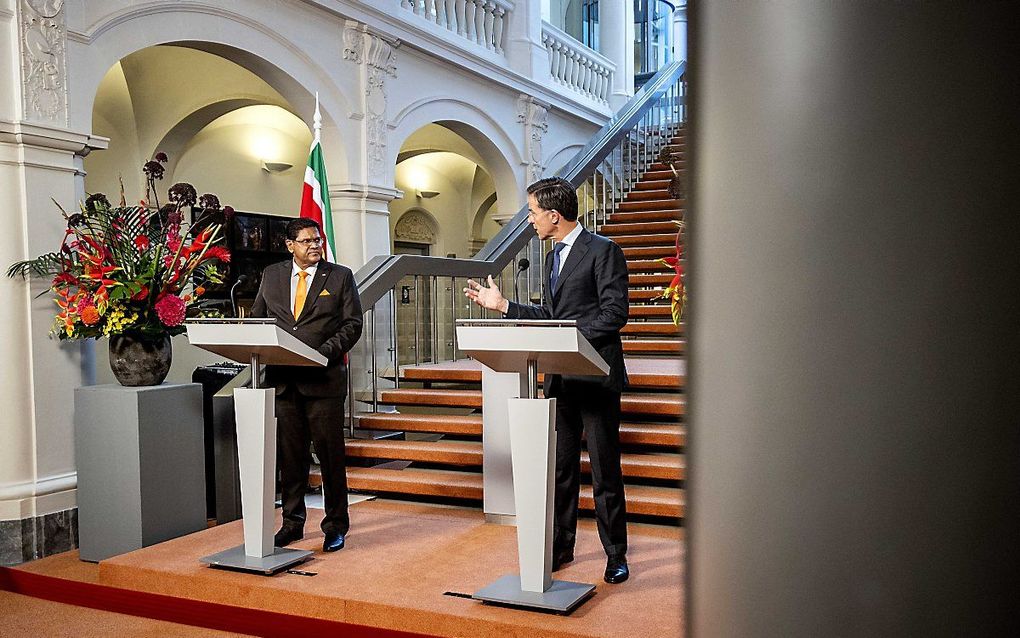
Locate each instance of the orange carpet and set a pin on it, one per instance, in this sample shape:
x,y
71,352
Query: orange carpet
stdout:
x,y
400,560
25,616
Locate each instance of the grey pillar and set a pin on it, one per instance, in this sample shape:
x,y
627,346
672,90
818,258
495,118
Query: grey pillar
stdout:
x,y
853,329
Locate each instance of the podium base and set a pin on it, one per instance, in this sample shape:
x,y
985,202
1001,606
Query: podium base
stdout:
x,y
235,558
562,596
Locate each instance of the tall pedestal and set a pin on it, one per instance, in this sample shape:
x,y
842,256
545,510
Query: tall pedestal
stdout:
x,y
141,466
513,353
255,341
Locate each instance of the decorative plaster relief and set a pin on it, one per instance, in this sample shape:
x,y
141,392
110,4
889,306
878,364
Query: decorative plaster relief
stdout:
x,y
43,60
414,226
534,116
378,58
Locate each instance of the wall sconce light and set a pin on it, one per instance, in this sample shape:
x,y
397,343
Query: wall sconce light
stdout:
x,y
275,167
427,194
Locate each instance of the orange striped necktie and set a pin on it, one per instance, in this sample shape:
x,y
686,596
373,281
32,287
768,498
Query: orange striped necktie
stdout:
x,y
300,293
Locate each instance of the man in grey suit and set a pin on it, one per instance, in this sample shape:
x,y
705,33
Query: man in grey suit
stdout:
x,y
318,303
587,281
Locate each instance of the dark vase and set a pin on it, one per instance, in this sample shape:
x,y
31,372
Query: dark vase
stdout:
x,y
138,360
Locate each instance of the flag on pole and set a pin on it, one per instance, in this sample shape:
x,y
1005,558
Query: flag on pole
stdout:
x,y
315,193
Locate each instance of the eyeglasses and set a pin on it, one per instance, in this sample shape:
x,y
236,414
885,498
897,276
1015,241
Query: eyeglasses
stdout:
x,y
314,241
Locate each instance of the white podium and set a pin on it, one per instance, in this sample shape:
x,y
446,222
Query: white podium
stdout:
x,y
523,349
255,341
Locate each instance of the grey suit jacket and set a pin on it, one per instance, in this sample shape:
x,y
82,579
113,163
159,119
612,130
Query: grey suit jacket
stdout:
x,y
592,289
331,322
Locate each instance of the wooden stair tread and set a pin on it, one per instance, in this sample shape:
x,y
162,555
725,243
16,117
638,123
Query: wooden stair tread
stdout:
x,y
646,216
641,499
665,328
649,253
645,500
649,295
654,204
444,483
655,279
649,265
448,452
642,372
613,229
675,346
433,397
652,185
645,404
631,433
469,453
461,425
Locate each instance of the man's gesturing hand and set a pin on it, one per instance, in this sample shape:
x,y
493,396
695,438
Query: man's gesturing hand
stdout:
x,y
490,297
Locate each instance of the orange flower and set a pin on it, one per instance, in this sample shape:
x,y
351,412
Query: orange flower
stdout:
x,y
199,291
90,316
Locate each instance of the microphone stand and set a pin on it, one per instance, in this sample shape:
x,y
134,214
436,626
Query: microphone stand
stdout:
x,y
233,289
522,265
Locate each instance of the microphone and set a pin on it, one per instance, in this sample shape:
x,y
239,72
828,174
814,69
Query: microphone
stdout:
x,y
233,299
522,265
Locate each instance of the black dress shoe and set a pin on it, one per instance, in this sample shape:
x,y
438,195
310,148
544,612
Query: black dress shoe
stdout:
x,y
561,558
333,542
616,570
287,535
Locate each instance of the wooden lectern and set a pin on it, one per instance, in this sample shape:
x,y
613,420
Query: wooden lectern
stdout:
x,y
523,349
255,341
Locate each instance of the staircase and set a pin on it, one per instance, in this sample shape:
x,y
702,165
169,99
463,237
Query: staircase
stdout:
x,y
434,452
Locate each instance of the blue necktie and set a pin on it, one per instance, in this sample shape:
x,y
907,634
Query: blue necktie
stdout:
x,y
555,274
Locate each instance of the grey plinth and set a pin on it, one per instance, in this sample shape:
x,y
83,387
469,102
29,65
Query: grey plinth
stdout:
x,y
140,455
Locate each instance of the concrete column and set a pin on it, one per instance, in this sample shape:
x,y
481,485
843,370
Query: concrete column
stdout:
x,y
525,51
616,42
40,159
679,22
852,388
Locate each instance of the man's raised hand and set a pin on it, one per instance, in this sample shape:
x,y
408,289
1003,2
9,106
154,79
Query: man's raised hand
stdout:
x,y
490,297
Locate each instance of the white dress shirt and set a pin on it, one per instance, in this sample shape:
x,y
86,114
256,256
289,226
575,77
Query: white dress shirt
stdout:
x,y
567,242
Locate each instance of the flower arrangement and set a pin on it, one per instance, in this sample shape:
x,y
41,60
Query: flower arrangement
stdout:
x,y
676,292
132,269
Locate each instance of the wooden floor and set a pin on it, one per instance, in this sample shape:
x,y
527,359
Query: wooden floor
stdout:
x,y
401,562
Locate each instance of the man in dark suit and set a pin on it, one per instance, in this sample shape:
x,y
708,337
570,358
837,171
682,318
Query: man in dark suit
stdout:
x,y
318,303
587,282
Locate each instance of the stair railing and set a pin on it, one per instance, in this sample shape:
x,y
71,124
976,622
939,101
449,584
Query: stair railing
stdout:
x,y
419,297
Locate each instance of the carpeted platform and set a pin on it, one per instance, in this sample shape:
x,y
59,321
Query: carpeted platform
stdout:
x,y
26,616
400,560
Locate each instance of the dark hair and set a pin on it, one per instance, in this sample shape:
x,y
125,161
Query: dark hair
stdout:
x,y
295,226
556,193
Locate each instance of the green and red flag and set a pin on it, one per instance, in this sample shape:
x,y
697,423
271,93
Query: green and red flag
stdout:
x,y
315,193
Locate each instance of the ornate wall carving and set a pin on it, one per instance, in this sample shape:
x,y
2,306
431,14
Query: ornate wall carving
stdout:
x,y
414,226
534,116
43,30
378,58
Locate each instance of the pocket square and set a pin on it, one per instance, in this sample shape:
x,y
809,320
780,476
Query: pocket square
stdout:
x,y
324,293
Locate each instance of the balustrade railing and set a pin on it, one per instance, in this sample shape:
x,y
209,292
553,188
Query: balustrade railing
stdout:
x,y
412,302
480,21
576,66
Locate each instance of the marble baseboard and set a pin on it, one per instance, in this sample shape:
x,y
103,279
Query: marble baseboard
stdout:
x,y
32,538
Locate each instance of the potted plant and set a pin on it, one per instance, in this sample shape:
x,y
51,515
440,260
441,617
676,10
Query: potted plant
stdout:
x,y
132,273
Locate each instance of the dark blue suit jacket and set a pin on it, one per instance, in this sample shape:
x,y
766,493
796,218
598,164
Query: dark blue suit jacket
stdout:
x,y
592,289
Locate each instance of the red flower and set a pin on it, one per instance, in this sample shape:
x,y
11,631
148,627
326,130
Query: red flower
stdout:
x,y
142,242
218,252
171,310
141,294
89,316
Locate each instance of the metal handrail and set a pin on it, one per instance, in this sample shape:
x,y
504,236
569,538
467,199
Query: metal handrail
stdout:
x,y
603,172
377,277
